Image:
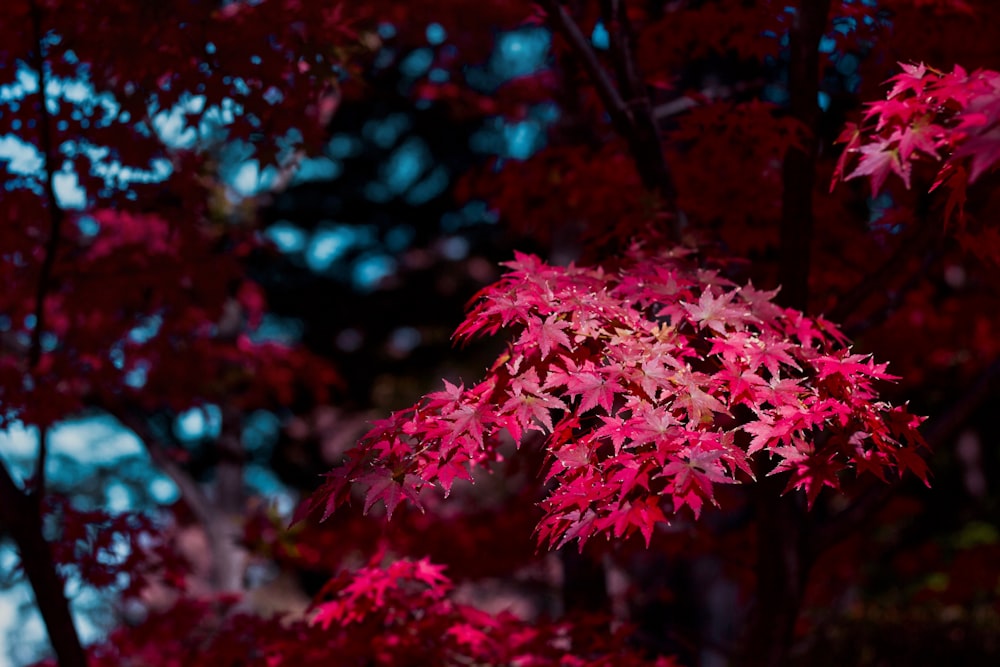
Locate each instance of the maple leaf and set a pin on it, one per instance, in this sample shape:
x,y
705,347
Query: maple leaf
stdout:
x,y
613,428
927,138
888,111
877,161
642,515
594,387
574,455
546,334
650,424
528,411
716,313
767,433
385,487
810,472
698,403
850,135
691,476
848,365
912,79
984,149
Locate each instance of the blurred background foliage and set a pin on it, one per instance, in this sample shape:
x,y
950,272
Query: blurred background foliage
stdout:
x,y
374,247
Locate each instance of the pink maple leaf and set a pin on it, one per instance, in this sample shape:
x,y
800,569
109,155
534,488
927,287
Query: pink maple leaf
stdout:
x,y
878,159
546,335
384,486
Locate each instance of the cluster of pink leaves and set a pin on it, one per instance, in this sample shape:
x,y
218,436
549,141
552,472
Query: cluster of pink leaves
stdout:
x,y
386,614
948,119
649,385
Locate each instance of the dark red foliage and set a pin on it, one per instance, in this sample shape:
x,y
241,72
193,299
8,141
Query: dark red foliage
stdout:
x,y
721,340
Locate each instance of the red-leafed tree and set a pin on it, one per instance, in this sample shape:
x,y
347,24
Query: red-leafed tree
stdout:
x,y
714,346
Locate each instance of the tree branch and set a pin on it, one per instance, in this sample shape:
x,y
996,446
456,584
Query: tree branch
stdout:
x,y
644,137
783,557
56,214
197,501
617,109
20,512
631,116
38,492
215,518
22,519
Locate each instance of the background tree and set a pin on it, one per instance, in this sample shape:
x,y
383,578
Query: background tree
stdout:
x,y
236,232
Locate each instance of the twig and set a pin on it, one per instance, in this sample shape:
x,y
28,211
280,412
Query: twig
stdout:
x,y
20,512
631,115
616,107
214,518
56,214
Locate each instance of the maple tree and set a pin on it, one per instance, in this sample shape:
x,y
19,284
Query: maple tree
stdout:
x,y
710,373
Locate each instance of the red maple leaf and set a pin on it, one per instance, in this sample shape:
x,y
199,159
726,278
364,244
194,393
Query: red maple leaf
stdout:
x,y
877,161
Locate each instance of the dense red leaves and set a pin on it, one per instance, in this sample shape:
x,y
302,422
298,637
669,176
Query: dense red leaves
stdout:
x,y
727,138
543,196
396,614
648,385
950,120
277,58
146,296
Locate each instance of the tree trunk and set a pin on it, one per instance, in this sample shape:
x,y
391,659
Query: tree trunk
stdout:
x,y
782,570
22,520
783,558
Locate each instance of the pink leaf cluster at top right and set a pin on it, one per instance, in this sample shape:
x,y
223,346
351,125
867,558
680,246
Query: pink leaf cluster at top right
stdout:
x,y
947,119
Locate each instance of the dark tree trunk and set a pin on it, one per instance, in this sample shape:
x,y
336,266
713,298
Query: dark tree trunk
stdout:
x,y
22,520
783,556
782,570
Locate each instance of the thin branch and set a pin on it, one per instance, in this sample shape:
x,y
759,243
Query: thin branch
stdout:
x,y
19,512
644,139
616,107
194,497
215,517
38,492
707,95
945,426
632,115
56,214
619,28
896,296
